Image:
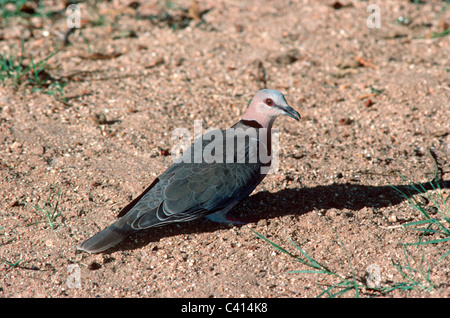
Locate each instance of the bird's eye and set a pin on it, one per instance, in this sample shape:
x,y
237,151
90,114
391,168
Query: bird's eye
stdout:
x,y
269,102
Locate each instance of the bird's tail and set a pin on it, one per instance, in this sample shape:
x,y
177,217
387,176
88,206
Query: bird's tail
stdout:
x,y
107,238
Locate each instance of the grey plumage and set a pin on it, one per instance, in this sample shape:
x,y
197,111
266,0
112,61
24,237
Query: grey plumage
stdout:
x,y
193,188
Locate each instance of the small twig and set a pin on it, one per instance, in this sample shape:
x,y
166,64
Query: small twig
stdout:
x,y
439,174
368,95
364,62
66,41
391,226
261,74
376,173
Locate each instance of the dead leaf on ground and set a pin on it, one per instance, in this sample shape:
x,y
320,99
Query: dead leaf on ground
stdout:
x,y
123,34
289,57
338,5
368,95
261,73
100,56
82,93
348,62
365,62
157,62
194,11
177,19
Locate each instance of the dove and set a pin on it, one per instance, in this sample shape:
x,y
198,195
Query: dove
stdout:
x,y
220,169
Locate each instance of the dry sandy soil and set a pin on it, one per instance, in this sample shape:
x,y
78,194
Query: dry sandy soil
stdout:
x,y
97,128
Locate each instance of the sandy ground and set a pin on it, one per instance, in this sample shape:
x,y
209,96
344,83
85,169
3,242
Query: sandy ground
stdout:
x,y
373,101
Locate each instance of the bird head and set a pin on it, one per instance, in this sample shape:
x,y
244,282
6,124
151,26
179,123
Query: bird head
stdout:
x,y
266,106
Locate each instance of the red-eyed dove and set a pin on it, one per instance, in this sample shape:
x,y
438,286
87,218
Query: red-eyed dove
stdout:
x,y
220,169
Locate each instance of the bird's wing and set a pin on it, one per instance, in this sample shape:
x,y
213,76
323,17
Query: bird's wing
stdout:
x,y
184,192
189,190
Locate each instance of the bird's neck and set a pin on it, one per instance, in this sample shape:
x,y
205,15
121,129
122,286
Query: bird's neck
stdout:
x,y
264,133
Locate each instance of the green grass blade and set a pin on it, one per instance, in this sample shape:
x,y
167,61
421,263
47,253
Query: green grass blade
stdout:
x,y
47,212
447,239
308,272
444,256
279,248
312,262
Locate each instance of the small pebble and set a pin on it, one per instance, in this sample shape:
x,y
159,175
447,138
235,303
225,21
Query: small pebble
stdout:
x,y
392,218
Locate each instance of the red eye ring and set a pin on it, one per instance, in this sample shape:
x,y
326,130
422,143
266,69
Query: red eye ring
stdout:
x,y
269,102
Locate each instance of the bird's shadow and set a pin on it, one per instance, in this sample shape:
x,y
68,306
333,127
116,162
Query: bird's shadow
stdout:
x,y
290,201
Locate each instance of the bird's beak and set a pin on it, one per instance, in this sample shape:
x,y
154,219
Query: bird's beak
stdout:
x,y
291,112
